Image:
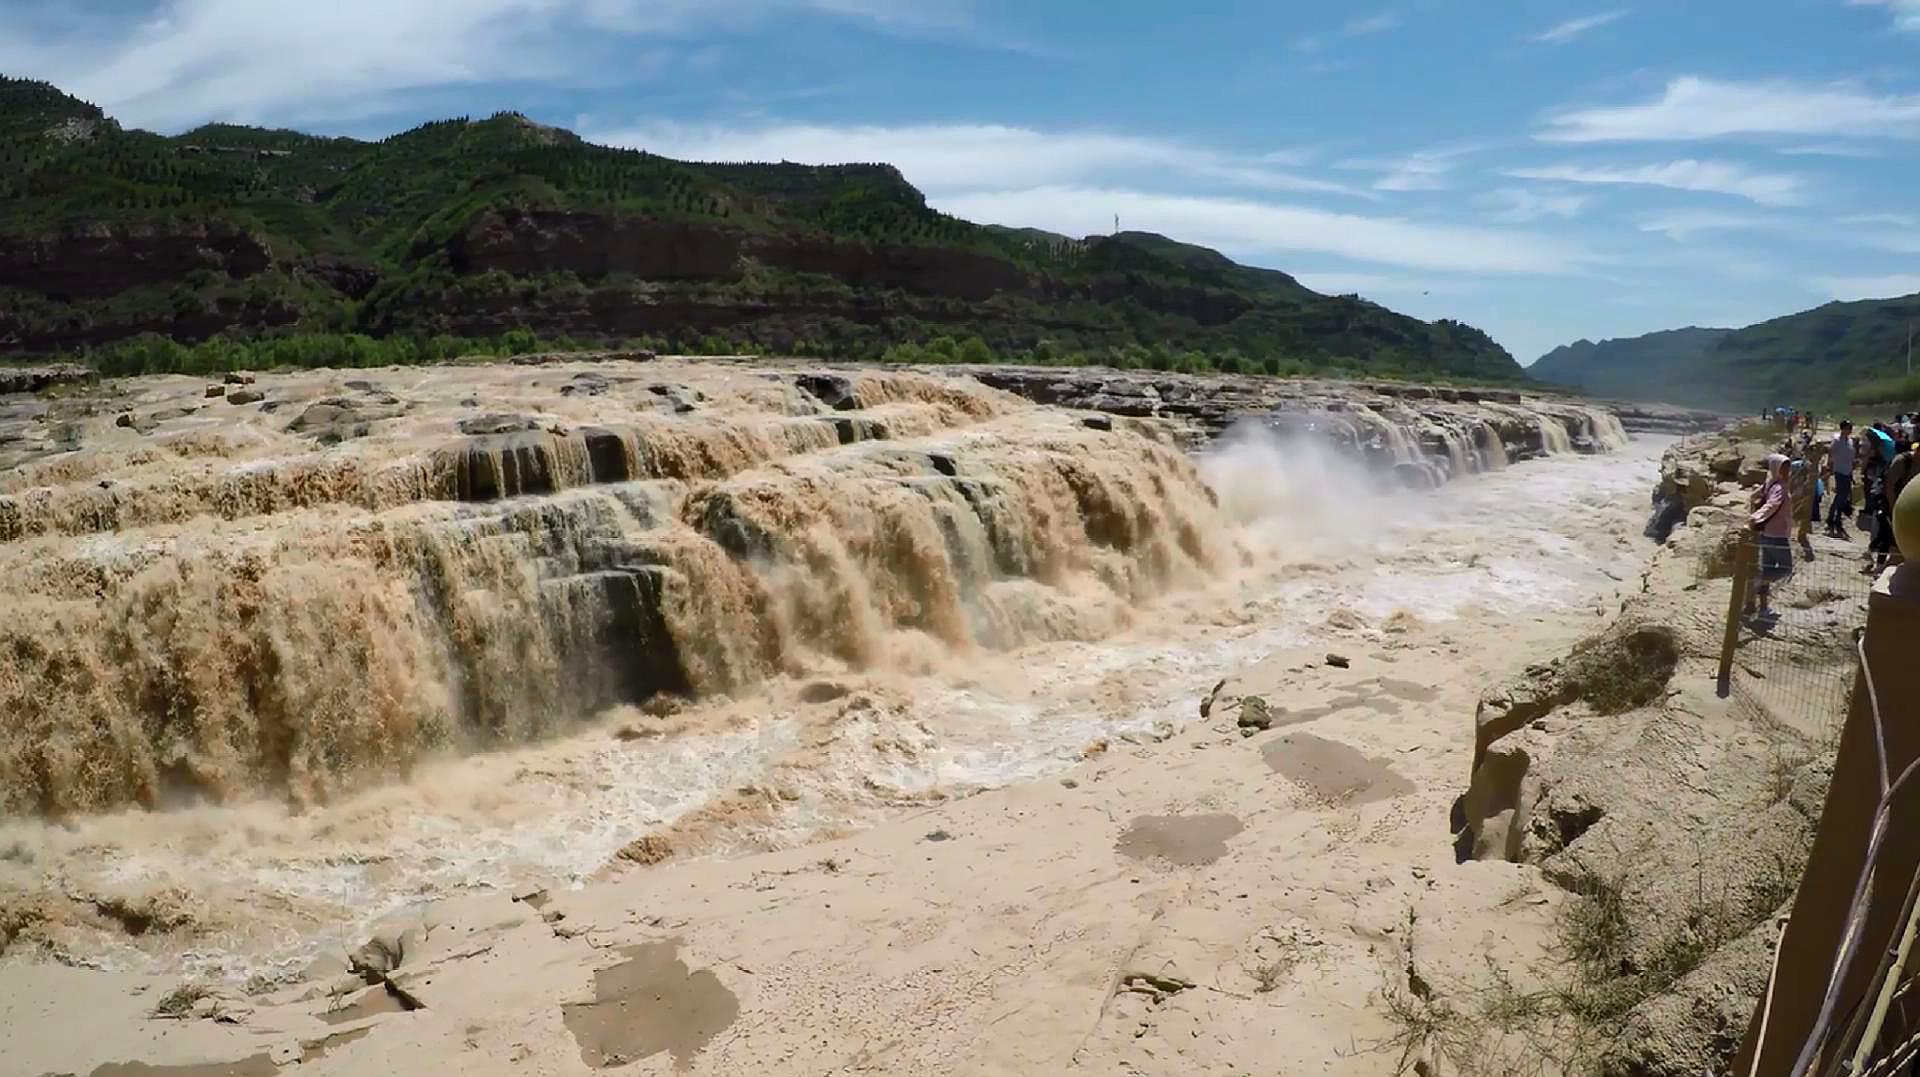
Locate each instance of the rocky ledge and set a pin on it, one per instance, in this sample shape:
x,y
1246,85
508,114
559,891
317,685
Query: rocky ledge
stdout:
x,y
34,379
1642,418
1424,434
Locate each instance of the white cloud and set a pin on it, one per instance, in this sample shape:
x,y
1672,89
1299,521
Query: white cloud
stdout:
x,y
1684,224
1573,28
1717,177
1292,156
1883,287
1517,205
1897,220
1906,13
1421,170
949,157
1696,108
190,61
1832,149
1254,229
1374,24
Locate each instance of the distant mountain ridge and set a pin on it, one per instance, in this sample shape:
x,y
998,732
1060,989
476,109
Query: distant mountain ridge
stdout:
x,y
1807,359
474,228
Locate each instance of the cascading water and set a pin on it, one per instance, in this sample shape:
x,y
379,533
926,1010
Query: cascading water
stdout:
x,y
246,628
1554,435
350,584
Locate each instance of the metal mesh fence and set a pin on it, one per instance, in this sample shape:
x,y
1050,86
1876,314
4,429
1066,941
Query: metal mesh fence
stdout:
x,y
1789,636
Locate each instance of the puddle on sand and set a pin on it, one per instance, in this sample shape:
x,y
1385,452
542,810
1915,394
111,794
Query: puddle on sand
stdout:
x,y
1410,691
1187,840
1333,772
260,1065
647,1004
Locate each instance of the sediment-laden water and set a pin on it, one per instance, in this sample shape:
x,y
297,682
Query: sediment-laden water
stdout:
x,y
278,667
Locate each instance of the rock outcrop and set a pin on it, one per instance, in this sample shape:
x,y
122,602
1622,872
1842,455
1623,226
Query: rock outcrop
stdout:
x,y
1695,471
103,259
1678,822
33,379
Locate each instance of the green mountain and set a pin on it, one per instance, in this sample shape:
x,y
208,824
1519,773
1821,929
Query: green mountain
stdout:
x,y
1810,359
478,228
1658,366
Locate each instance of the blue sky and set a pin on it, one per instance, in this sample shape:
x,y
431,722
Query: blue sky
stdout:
x,y
1544,169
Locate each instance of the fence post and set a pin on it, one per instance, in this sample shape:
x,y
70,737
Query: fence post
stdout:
x,y
1743,562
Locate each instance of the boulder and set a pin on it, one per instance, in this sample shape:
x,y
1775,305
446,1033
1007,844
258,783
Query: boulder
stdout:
x,y
388,949
216,390
245,396
339,417
235,377
833,390
586,384
1255,714
497,423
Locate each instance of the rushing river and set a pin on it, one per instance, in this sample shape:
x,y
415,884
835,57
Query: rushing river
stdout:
x,y
1160,577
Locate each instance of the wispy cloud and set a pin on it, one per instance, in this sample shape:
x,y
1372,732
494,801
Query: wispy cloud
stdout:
x,y
1717,177
1897,220
1880,287
1252,229
1683,225
1292,156
953,157
1906,13
1833,149
1574,28
181,62
1518,205
1374,24
1422,170
1693,108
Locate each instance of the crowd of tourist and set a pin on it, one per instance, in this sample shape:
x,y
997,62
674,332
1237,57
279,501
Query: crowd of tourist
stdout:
x,y
1874,462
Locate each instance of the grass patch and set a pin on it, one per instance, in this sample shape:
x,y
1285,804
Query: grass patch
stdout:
x,y
1611,955
178,1003
1623,670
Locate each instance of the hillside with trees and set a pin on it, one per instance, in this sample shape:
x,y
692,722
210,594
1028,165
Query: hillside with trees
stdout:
x,y
143,251
1817,358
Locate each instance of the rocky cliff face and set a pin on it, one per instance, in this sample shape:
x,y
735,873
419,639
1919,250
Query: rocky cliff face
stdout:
x,y
103,259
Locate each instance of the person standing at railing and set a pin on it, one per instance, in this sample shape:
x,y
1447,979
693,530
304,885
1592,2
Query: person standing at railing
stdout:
x,y
1772,523
1840,466
1899,472
1806,505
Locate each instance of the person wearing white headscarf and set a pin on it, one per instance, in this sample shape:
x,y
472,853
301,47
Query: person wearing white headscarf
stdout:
x,y
1772,522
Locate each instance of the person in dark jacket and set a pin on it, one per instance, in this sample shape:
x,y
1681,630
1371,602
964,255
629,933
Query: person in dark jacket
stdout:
x,y
1881,552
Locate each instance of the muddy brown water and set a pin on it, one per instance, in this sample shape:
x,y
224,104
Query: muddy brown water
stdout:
x,y
1186,840
650,1003
1333,772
